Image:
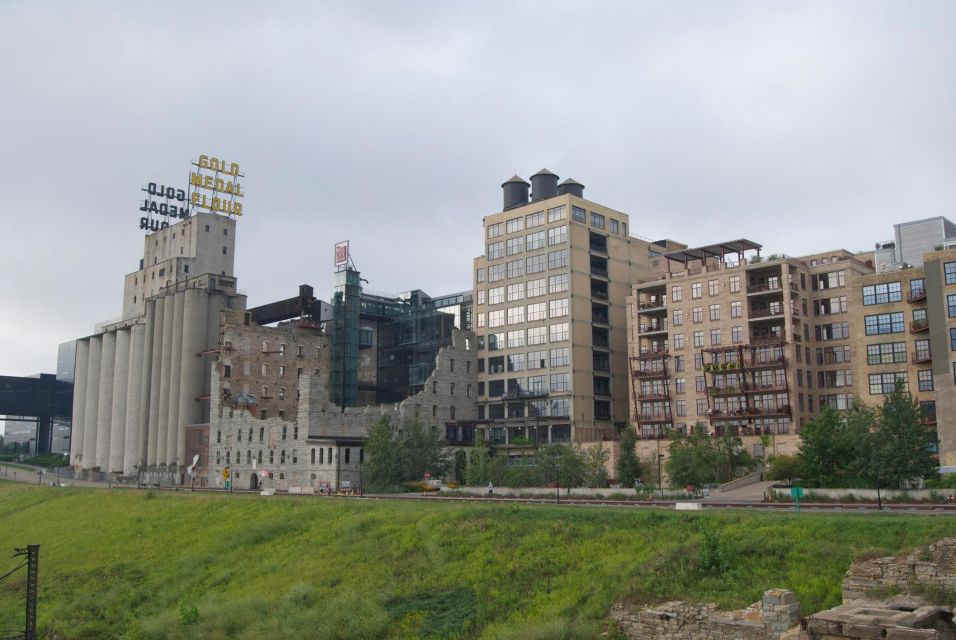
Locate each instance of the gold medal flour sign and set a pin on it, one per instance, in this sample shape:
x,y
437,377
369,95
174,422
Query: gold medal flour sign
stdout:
x,y
215,187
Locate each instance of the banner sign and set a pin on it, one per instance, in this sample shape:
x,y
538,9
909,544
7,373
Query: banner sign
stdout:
x,y
341,253
215,186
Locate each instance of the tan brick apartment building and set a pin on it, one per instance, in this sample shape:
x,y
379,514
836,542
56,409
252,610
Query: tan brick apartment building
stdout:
x,y
760,345
550,315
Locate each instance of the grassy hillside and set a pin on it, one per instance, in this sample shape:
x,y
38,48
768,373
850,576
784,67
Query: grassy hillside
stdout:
x,y
130,564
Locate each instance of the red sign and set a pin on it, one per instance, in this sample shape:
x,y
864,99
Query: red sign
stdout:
x,y
341,253
428,475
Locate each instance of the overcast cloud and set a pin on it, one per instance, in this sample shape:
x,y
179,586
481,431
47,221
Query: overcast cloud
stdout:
x,y
803,126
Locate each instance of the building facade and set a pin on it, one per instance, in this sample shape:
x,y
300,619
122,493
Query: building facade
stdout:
x,y
759,346
550,315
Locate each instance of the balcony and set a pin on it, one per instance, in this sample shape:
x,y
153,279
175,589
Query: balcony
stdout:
x,y
648,374
657,395
771,387
745,412
764,289
654,306
917,295
766,313
652,328
764,362
921,356
656,417
917,326
653,354
724,391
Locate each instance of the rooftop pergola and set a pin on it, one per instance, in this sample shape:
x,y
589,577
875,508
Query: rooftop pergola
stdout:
x,y
719,251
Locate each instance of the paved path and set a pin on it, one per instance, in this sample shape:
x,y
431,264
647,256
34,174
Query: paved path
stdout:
x,y
751,493
28,475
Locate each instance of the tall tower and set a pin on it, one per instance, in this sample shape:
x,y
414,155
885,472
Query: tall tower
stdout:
x,y
550,315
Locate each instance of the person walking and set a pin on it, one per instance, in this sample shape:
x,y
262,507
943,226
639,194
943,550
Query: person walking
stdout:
x,y
491,489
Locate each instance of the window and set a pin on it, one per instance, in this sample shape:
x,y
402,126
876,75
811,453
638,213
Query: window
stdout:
x,y
496,295
734,284
535,240
886,382
615,226
949,272
678,341
557,259
560,357
676,294
698,338
558,308
558,332
537,335
481,296
882,293
560,381
281,371
828,280
917,287
496,318
678,317
557,213
737,335
884,323
597,220
515,339
696,290
515,224
701,407
951,305
715,337
535,264
558,235
537,360
533,220
496,250
735,309
578,214
715,312
514,245
515,292
952,339
281,393
713,287
515,362
480,275
537,287
536,311
924,380
496,272
559,283
516,315
480,321
697,314
515,268
494,230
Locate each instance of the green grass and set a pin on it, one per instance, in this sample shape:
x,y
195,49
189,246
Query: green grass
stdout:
x,y
133,564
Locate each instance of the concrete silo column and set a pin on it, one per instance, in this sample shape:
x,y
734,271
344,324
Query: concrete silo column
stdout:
x,y
120,400
134,398
175,364
104,415
92,402
156,360
79,401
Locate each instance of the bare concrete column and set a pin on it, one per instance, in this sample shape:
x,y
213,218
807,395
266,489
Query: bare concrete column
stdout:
x,y
134,398
79,401
104,414
215,303
166,361
195,316
154,382
120,399
92,402
175,364
144,386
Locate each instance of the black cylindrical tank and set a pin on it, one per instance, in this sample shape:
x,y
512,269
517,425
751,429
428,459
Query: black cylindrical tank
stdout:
x,y
515,193
571,186
544,185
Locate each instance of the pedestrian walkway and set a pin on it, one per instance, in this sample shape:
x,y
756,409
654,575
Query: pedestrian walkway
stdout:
x,y
750,493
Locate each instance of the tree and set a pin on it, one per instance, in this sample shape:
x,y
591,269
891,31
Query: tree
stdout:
x,y
784,468
595,466
406,454
827,449
628,466
482,466
901,441
384,455
560,463
692,459
421,451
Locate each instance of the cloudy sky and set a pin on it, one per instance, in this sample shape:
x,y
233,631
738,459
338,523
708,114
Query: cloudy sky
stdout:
x,y
804,126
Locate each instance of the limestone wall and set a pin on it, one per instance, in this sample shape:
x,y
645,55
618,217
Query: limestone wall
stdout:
x,y
935,565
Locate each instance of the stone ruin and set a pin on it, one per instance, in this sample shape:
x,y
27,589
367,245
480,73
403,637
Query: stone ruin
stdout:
x,y
889,598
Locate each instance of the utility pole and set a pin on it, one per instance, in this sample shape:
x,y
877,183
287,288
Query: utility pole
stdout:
x,y
32,552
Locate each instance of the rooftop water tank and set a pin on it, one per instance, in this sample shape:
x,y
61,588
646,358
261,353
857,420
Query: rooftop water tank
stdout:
x,y
544,185
515,193
571,186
